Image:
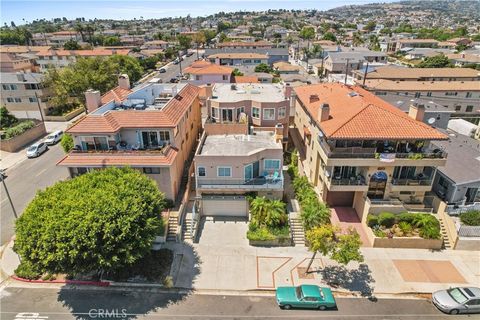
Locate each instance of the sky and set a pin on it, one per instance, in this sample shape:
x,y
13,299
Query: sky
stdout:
x,y
17,10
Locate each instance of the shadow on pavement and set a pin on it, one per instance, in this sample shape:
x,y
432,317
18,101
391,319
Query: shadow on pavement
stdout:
x,y
359,280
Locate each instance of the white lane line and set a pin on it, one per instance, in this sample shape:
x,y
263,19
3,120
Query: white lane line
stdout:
x,y
40,172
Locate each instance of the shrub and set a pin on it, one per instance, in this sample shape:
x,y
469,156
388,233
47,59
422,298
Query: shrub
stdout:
x,y
6,119
259,234
406,217
379,232
169,204
430,231
471,218
18,129
386,219
27,270
67,143
405,227
372,220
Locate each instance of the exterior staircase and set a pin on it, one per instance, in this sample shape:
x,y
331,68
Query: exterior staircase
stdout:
x,y
172,227
298,233
187,229
446,239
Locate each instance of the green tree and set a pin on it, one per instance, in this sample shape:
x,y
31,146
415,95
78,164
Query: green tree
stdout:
x,y
199,39
223,37
331,242
438,61
370,26
6,119
71,45
237,72
222,26
307,33
374,43
267,213
357,39
112,41
329,36
67,143
184,41
263,67
209,35
104,220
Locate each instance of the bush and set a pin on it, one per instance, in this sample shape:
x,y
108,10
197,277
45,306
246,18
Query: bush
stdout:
x,y
6,119
386,219
67,143
26,270
169,204
379,232
471,218
255,233
18,129
372,220
405,227
430,231
406,217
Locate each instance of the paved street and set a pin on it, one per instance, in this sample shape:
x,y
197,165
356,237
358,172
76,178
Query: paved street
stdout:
x,y
23,181
172,70
64,304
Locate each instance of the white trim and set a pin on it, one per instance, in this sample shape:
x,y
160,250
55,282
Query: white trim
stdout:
x,y
265,109
224,167
259,113
284,112
217,111
198,171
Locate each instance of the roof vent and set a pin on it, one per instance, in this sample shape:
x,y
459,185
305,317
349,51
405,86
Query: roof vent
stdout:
x,y
233,87
314,98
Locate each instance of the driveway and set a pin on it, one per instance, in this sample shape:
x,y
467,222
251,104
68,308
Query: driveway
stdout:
x,y
224,231
346,217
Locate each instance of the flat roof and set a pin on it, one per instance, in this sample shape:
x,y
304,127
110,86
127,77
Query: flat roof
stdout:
x,y
392,85
261,92
238,144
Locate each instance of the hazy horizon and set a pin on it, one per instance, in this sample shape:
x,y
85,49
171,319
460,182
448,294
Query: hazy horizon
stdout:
x,y
20,11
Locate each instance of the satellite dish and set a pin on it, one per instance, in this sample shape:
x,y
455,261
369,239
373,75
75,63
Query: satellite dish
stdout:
x,y
431,120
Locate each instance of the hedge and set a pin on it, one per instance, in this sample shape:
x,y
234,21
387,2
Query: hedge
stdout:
x,y
18,129
471,218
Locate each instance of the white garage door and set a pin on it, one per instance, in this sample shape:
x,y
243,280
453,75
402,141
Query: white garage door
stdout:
x,y
229,206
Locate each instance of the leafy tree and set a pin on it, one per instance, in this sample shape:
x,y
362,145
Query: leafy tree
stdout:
x,y
222,26
223,37
67,143
209,35
307,33
19,36
237,72
112,41
71,45
357,39
330,242
262,67
438,61
370,26
184,41
374,43
6,119
104,220
199,39
329,36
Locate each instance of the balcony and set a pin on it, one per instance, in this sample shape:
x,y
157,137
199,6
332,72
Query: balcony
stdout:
x,y
357,183
412,182
260,183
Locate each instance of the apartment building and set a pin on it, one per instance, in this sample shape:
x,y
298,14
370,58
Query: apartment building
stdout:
x,y
250,104
273,54
402,44
462,98
349,61
203,72
245,45
354,146
228,166
416,74
62,58
10,62
24,95
238,59
153,128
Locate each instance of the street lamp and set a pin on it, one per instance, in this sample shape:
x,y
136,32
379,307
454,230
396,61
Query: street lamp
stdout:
x,y
8,196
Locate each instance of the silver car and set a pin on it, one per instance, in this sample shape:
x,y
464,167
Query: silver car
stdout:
x,y
458,300
36,149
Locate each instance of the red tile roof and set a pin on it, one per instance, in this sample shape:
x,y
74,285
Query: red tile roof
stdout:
x,y
246,79
117,94
83,53
244,44
126,158
112,121
358,114
209,69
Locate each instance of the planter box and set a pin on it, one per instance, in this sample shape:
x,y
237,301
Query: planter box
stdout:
x,y
67,117
403,242
18,142
271,243
160,239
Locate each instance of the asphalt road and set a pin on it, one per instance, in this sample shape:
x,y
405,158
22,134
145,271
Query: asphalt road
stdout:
x,y
172,70
65,304
23,181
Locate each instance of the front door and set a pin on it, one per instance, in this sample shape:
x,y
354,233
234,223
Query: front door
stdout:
x,y
376,187
248,172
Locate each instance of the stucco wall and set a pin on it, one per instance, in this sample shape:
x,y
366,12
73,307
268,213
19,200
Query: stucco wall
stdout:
x,y
16,143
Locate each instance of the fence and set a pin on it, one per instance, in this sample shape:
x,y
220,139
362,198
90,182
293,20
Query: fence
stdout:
x,y
455,210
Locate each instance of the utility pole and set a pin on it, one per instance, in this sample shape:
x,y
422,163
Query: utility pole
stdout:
x,y
8,196
180,62
39,107
346,71
365,75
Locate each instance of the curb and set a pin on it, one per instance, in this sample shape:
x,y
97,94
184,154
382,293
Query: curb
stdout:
x,y
74,282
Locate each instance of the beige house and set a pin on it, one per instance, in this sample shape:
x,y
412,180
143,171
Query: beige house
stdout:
x,y
153,128
353,146
417,74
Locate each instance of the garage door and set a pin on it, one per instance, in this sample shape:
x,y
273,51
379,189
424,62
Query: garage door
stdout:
x,y
340,199
229,206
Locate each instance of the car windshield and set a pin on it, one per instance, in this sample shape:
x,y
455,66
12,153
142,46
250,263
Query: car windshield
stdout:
x,y
32,148
457,295
299,293
51,137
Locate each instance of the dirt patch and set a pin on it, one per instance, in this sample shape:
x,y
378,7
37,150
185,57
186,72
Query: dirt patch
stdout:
x,y
302,273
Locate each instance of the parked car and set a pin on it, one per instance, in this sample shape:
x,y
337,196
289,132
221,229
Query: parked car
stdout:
x,y
36,149
176,61
173,80
54,137
305,296
457,300
190,54
162,70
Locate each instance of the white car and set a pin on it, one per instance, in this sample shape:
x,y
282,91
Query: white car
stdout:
x,y
54,137
36,149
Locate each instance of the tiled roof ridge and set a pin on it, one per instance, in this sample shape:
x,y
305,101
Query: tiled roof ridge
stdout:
x,y
351,118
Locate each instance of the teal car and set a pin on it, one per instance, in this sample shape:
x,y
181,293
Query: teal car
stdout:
x,y
305,296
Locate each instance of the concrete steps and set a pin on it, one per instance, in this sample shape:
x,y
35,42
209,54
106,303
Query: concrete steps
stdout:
x,y
187,230
172,228
298,233
446,239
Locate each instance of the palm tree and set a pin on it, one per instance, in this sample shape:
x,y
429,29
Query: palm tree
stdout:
x,y
357,39
267,213
199,39
258,210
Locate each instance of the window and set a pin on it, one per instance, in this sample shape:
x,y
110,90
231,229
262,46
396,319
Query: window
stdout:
x,y
10,100
458,108
469,109
417,94
5,87
380,93
150,139
257,61
225,77
197,77
429,94
443,182
32,86
240,110
202,172
214,112
469,94
164,135
450,93
272,164
269,114
247,61
256,112
282,112
149,170
224,171
13,87
32,99
18,100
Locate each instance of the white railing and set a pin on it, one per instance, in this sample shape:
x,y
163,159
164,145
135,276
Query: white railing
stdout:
x,y
455,210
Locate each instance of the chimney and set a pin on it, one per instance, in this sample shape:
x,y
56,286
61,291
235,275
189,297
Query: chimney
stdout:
x,y
314,98
20,76
324,112
93,100
417,112
288,91
124,81
208,90
279,132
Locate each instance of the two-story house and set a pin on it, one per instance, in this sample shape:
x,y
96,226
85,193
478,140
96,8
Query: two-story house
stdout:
x,y
354,146
203,72
241,59
153,128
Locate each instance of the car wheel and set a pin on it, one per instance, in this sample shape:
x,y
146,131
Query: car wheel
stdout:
x,y
287,307
454,311
323,308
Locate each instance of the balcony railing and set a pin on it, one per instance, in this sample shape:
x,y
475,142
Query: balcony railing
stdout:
x,y
130,152
412,182
349,182
231,183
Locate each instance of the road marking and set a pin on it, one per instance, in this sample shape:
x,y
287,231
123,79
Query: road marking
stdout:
x,y
41,171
